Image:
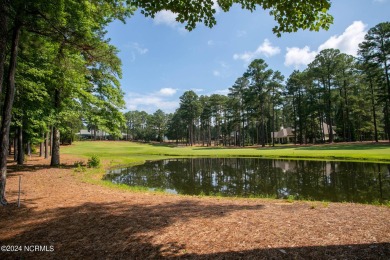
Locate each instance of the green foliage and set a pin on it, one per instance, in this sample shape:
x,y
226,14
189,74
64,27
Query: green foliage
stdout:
x,y
94,161
80,168
289,15
78,163
290,198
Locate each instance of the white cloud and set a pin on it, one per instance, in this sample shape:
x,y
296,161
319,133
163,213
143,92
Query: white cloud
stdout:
x,y
266,49
297,57
197,90
222,71
223,65
347,42
167,91
222,92
216,7
150,102
166,17
136,46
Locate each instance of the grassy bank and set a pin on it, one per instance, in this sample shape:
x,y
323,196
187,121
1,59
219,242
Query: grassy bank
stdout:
x,y
127,153
114,153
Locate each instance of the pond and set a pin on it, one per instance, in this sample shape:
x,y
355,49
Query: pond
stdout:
x,y
256,177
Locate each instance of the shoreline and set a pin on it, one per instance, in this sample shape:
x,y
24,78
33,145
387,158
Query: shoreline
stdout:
x,y
82,219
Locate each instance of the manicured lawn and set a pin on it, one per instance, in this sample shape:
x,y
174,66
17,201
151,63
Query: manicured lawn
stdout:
x,y
121,152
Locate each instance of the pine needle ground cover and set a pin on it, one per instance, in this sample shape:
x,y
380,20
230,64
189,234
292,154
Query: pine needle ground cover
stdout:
x,y
61,209
81,220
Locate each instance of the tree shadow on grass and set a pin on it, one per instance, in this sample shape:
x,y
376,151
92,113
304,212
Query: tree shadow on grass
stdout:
x,y
123,231
14,169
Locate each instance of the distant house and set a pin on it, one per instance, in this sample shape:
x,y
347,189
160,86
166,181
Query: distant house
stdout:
x,y
284,135
86,134
325,129
287,135
91,134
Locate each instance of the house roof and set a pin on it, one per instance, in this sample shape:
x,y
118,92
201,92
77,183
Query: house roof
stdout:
x,y
88,132
288,132
284,132
325,126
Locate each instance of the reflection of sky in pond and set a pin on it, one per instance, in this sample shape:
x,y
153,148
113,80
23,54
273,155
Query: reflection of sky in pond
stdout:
x,y
170,191
254,177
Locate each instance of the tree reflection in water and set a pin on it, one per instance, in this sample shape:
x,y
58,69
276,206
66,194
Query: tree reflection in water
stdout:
x,y
254,177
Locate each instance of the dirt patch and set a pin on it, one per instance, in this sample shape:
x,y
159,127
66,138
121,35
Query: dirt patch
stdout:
x,y
68,219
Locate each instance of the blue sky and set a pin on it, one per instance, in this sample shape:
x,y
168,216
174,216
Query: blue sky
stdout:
x,y
161,60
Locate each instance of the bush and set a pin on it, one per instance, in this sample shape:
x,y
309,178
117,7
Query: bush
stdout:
x,y
78,163
80,166
94,162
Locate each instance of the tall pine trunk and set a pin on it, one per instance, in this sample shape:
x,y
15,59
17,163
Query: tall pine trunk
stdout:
x,y
55,149
330,127
47,145
10,146
20,146
3,40
16,146
41,146
7,109
373,109
388,97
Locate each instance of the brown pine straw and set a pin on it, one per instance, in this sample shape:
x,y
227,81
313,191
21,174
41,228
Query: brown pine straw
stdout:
x,y
85,221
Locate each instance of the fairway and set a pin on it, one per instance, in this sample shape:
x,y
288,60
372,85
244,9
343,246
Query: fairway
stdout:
x,y
122,152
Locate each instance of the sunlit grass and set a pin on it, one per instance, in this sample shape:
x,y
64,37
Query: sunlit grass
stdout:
x,y
114,154
121,152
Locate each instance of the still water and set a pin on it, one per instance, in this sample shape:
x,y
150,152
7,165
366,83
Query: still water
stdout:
x,y
254,177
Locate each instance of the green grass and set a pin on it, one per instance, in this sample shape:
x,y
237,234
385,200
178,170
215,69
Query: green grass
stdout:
x,y
114,154
127,153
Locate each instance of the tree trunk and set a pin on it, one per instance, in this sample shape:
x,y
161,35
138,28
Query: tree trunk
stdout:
x,y
388,96
243,129
209,133
273,125
295,120
55,149
51,140
387,121
41,146
373,110
47,145
262,126
16,147
348,122
29,148
330,127
3,40
20,146
7,110
10,147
